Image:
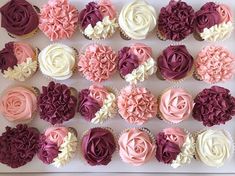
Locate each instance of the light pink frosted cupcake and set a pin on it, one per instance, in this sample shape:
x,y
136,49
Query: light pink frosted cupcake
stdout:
x,y
175,105
97,62
214,64
18,61
58,19
137,105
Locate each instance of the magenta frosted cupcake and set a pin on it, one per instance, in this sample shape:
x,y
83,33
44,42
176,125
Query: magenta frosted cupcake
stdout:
x,y
18,145
175,63
214,64
57,103
97,104
175,105
214,106
175,146
136,63
58,19
137,105
175,21
213,22
97,62
98,20
18,61
57,146
98,145
136,146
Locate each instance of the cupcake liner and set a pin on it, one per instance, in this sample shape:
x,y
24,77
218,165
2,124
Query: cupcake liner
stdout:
x,y
196,76
160,36
26,36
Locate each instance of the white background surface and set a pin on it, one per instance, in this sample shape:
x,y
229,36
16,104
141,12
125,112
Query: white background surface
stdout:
x,y
118,124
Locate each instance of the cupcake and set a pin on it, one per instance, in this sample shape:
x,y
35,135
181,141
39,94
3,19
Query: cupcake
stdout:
x,y
57,61
136,63
136,146
175,146
98,20
136,20
19,104
213,22
214,147
97,146
57,103
18,145
97,62
175,21
214,64
175,63
57,146
58,19
175,105
137,105
19,18
97,104
214,106
18,61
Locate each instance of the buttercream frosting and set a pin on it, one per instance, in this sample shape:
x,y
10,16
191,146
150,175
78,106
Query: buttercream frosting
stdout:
x,y
56,135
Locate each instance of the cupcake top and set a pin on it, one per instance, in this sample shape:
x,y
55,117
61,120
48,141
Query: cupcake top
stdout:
x,y
136,63
214,106
137,105
137,19
96,104
57,61
214,21
58,19
18,61
175,105
57,103
18,104
214,147
98,20
175,21
19,17
175,62
18,145
98,145
57,145
175,147
214,64
136,146
97,62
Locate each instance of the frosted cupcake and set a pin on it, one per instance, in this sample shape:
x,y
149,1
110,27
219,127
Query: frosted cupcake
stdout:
x,y
18,145
213,22
19,18
136,63
98,20
175,146
136,20
137,105
57,61
175,21
97,104
97,146
136,146
214,106
57,103
175,63
19,104
18,61
214,147
57,146
175,105
214,64
97,62
58,19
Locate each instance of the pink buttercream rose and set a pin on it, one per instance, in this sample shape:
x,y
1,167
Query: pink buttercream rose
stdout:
x,y
137,105
142,51
106,8
56,135
22,51
99,93
225,13
175,135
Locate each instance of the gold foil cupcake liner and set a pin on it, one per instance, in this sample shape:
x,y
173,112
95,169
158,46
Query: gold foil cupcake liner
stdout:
x,y
25,36
160,36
